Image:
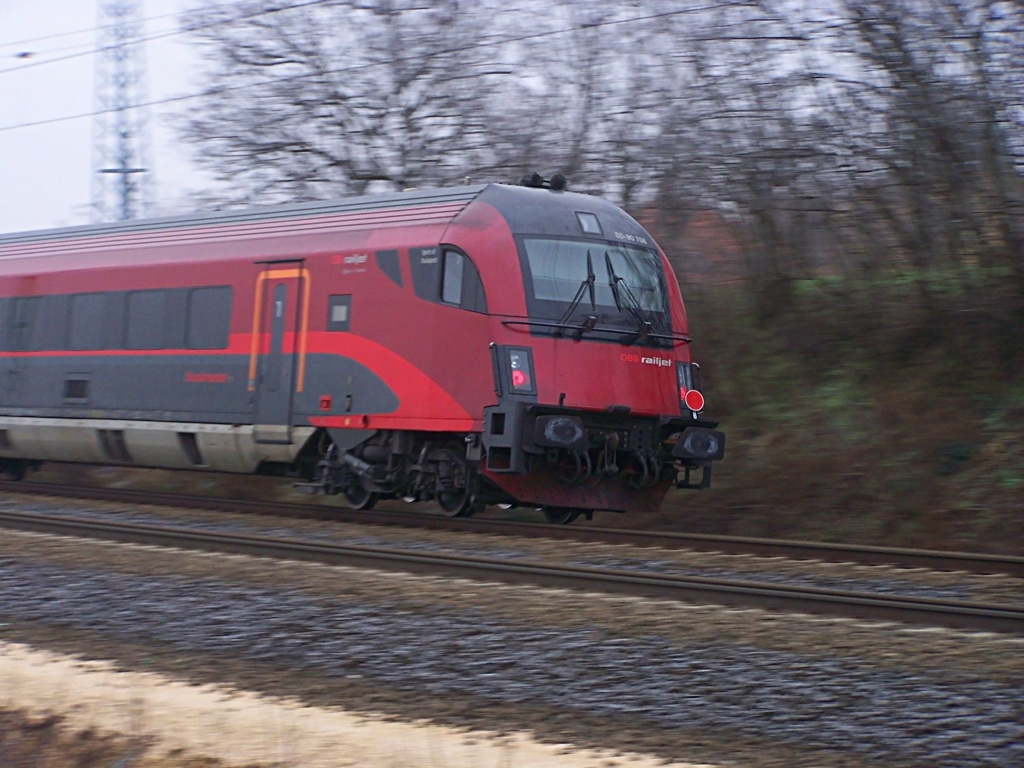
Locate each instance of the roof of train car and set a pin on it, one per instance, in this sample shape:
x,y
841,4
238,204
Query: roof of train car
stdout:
x,y
350,205
525,210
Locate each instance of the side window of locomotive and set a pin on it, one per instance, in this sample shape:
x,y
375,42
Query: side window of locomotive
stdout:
x,y
425,266
339,310
4,309
460,284
85,321
451,282
387,262
209,317
145,319
473,297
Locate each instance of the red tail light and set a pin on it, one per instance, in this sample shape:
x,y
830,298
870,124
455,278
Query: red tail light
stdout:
x,y
694,400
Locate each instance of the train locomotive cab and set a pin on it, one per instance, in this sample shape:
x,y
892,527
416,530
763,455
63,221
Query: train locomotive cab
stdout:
x,y
598,402
559,328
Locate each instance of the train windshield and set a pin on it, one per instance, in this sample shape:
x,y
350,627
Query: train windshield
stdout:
x,y
619,290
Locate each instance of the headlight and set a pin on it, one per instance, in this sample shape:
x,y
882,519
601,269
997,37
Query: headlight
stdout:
x,y
700,443
561,432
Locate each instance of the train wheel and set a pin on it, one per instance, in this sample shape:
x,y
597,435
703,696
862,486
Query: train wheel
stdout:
x,y
561,515
360,498
457,503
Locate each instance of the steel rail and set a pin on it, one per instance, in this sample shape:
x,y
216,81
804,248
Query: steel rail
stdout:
x,y
931,612
936,560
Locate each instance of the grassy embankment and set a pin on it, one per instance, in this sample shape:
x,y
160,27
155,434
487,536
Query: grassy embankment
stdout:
x,y
852,414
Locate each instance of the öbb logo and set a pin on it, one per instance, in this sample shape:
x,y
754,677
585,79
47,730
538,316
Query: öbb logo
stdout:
x,y
660,362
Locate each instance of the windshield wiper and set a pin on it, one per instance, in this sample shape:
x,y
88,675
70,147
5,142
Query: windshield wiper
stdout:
x,y
590,324
587,286
644,326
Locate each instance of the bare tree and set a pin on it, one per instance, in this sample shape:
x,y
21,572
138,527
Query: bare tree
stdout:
x,y
307,101
840,137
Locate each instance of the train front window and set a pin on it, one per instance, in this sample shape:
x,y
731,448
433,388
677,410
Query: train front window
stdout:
x,y
569,281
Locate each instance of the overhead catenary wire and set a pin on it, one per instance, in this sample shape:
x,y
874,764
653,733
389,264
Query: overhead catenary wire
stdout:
x,y
92,50
499,41
20,44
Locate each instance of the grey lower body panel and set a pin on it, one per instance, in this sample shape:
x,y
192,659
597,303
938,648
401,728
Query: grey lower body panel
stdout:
x,y
163,444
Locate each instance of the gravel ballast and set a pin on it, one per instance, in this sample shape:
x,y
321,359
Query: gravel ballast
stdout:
x,y
659,676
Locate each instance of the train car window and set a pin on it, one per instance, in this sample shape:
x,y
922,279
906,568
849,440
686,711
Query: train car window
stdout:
x,y
209,317
145,319
175,308
5,307
460,284
23,326
85,321
52,321
113,320
339,312
473,297
628,286
387,262
425,265
451,282
589,223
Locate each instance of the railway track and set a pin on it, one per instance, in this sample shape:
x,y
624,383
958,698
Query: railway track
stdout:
x,y
795,550
911,610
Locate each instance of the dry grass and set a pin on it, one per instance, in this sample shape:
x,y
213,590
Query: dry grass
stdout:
x,y
46,741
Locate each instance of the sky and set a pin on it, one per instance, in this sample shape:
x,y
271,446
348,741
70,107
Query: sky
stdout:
x,y
46,170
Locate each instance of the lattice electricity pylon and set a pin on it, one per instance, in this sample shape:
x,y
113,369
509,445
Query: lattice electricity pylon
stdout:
x,y
121,172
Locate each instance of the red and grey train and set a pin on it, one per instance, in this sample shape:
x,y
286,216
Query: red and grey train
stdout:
x,y
489,344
